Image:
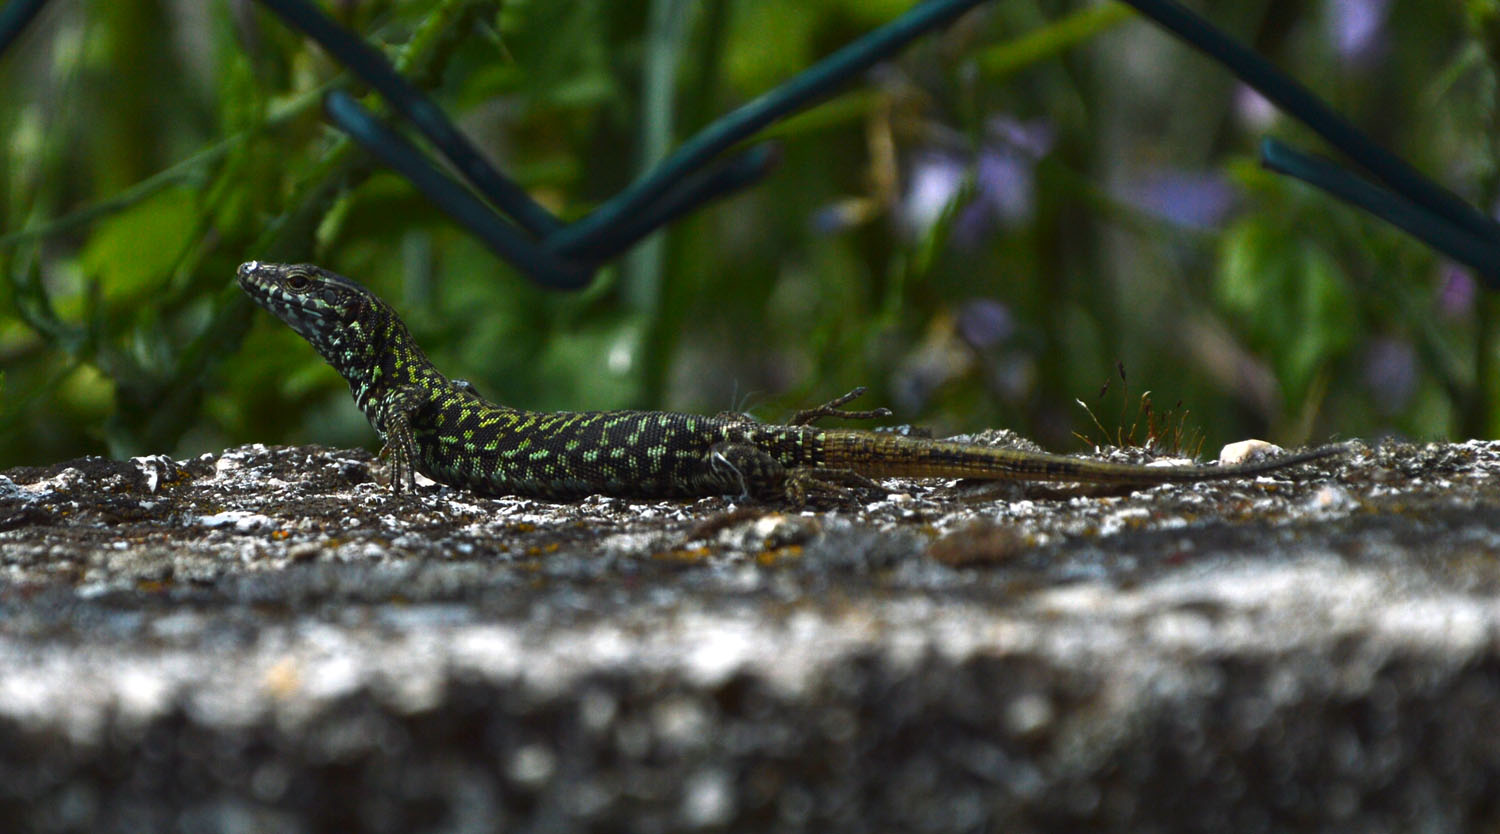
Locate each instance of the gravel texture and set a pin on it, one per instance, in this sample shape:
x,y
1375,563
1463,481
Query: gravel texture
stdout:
x,y
268,640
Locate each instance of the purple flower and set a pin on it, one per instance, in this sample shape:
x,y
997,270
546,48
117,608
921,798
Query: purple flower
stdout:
x,y
1007,184
1456,290
1003,171
984,322
1391,373
935,180
1007,166
1031,139
1005,193
1356,28
1188,199
1254,110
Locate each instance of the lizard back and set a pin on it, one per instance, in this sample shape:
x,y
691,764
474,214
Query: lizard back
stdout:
x,y
493,450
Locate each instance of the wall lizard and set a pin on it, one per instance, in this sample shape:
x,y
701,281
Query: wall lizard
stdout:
x,y
443,429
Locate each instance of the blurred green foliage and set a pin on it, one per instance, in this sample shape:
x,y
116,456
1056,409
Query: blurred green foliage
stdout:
x,y
980,232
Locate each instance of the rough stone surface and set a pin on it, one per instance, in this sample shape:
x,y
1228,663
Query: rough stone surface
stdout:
x,y
267,640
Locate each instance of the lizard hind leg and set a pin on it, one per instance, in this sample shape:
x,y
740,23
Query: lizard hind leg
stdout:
x,y
806,482
745,469
806,416
751,471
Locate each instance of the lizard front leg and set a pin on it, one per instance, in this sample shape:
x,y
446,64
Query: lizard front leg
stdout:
x,y
397,411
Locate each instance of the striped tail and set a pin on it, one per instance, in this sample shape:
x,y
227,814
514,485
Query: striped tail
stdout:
x,y
879,455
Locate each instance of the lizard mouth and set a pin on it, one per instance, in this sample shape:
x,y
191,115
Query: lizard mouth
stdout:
x,y
264,283
252,279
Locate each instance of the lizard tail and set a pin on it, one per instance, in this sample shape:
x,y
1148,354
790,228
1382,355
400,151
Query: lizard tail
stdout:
x,y
879,455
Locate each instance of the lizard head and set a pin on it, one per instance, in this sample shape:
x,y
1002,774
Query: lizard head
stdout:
x,y
327,309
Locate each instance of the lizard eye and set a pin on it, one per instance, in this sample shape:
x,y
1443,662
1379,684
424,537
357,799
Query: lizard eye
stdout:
x,y
298,281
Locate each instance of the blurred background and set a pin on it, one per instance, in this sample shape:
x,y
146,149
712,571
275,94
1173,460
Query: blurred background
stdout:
x,y
984,231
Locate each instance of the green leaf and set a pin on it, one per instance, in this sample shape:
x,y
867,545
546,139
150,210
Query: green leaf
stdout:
x,y
1289,298
598,364
1002,59
131,252
561,50
769,42
874,13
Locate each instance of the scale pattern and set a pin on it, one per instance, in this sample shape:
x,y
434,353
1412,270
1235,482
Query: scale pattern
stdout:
x,y
491,450
444,430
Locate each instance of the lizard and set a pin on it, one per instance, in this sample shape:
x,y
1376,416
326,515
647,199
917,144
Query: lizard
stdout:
x,y
443,429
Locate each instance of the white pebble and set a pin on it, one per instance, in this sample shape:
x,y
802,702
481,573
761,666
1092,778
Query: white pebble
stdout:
x,y
1246,451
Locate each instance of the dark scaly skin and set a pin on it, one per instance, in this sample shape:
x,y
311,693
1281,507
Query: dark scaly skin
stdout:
x,y
441,428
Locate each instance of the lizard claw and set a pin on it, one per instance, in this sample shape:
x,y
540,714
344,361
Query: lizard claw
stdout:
x,y
403,476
